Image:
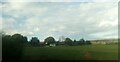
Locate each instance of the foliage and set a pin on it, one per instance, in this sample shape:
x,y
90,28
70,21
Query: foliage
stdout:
x,y
49,40
81,41
12,47
68,41
19,38
34,41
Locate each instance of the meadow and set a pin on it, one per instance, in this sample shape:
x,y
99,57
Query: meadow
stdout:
x,y
83,52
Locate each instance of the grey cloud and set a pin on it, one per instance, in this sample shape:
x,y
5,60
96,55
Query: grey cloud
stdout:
x,y
70,19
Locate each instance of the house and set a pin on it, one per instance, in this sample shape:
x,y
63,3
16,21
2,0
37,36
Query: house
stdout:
x,y
52,45
49,45
42,44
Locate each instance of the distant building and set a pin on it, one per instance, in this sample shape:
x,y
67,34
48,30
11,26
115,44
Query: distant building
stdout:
x,y
105,41
52,45
42,44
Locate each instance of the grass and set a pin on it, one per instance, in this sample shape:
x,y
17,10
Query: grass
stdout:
x,y
84,52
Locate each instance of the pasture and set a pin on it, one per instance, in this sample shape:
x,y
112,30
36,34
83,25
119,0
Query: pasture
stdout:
x,y
84,52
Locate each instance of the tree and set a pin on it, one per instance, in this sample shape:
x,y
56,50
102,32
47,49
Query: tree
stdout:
x,y
6,50
12,47
25,39
81,41
1,34
75,42
68,41
34,41
19,38
49,40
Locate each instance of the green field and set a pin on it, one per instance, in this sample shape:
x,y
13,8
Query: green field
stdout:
x,y
84,52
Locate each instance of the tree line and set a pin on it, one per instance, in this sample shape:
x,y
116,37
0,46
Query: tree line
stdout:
x,y
13,45
34,41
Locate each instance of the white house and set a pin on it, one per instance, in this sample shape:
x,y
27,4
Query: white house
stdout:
x,y
52,45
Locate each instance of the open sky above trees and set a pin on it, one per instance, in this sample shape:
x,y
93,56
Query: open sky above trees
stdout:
x,y
89,20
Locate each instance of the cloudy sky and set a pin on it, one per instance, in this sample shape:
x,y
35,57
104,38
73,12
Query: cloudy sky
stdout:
x,y
89,20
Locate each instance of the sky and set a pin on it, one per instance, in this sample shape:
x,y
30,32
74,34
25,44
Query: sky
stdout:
x,y
95,19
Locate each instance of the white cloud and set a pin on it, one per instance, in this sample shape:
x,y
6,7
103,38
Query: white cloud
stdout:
x,y
0,23
108,23
26,9
36,29
60,0
8,23
107,34
105,0
69,19
25,33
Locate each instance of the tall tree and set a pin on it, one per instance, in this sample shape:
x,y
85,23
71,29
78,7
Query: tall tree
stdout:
x,y
81,41
75,42
25,39
12,47
49,40
34,41
68,41
19,38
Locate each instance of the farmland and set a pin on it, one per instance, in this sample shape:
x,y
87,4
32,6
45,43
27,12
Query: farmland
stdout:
x,y
83,52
